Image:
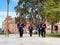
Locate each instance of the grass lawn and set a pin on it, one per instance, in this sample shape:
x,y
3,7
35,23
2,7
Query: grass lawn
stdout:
x,y
53,35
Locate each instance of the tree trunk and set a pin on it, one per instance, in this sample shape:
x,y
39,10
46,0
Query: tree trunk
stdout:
x,y
52,28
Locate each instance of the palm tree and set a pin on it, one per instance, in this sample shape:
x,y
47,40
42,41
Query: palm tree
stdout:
x,y
8,1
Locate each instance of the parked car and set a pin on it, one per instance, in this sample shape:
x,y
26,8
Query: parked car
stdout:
x,y
1,31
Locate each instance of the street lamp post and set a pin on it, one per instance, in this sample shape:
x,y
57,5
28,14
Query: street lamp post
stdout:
x,y
8,1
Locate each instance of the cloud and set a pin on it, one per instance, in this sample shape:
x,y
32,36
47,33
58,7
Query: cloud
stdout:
x,y
3,15
1,20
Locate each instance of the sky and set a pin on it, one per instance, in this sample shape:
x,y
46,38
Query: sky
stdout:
x,y
3,9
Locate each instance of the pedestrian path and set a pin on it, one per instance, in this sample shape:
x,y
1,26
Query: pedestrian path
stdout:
x,y
27,40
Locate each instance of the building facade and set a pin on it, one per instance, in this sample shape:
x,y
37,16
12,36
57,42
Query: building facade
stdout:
x,y
48,27
12,26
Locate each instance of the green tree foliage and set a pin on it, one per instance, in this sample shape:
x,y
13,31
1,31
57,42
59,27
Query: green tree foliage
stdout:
x,y
46,9
51,11
23,9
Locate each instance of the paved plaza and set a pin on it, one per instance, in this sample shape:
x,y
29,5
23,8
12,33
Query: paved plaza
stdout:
x,y
27,40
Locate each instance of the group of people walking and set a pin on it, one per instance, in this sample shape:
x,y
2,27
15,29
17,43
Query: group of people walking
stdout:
x,y
40,27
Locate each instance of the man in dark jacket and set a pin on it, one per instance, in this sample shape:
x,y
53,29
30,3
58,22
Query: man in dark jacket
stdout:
x,y
39,28
43,31
20,28
30,29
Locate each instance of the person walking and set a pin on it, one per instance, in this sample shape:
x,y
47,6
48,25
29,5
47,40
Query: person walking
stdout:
x,y
20,27
30,29
43,31
39,28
